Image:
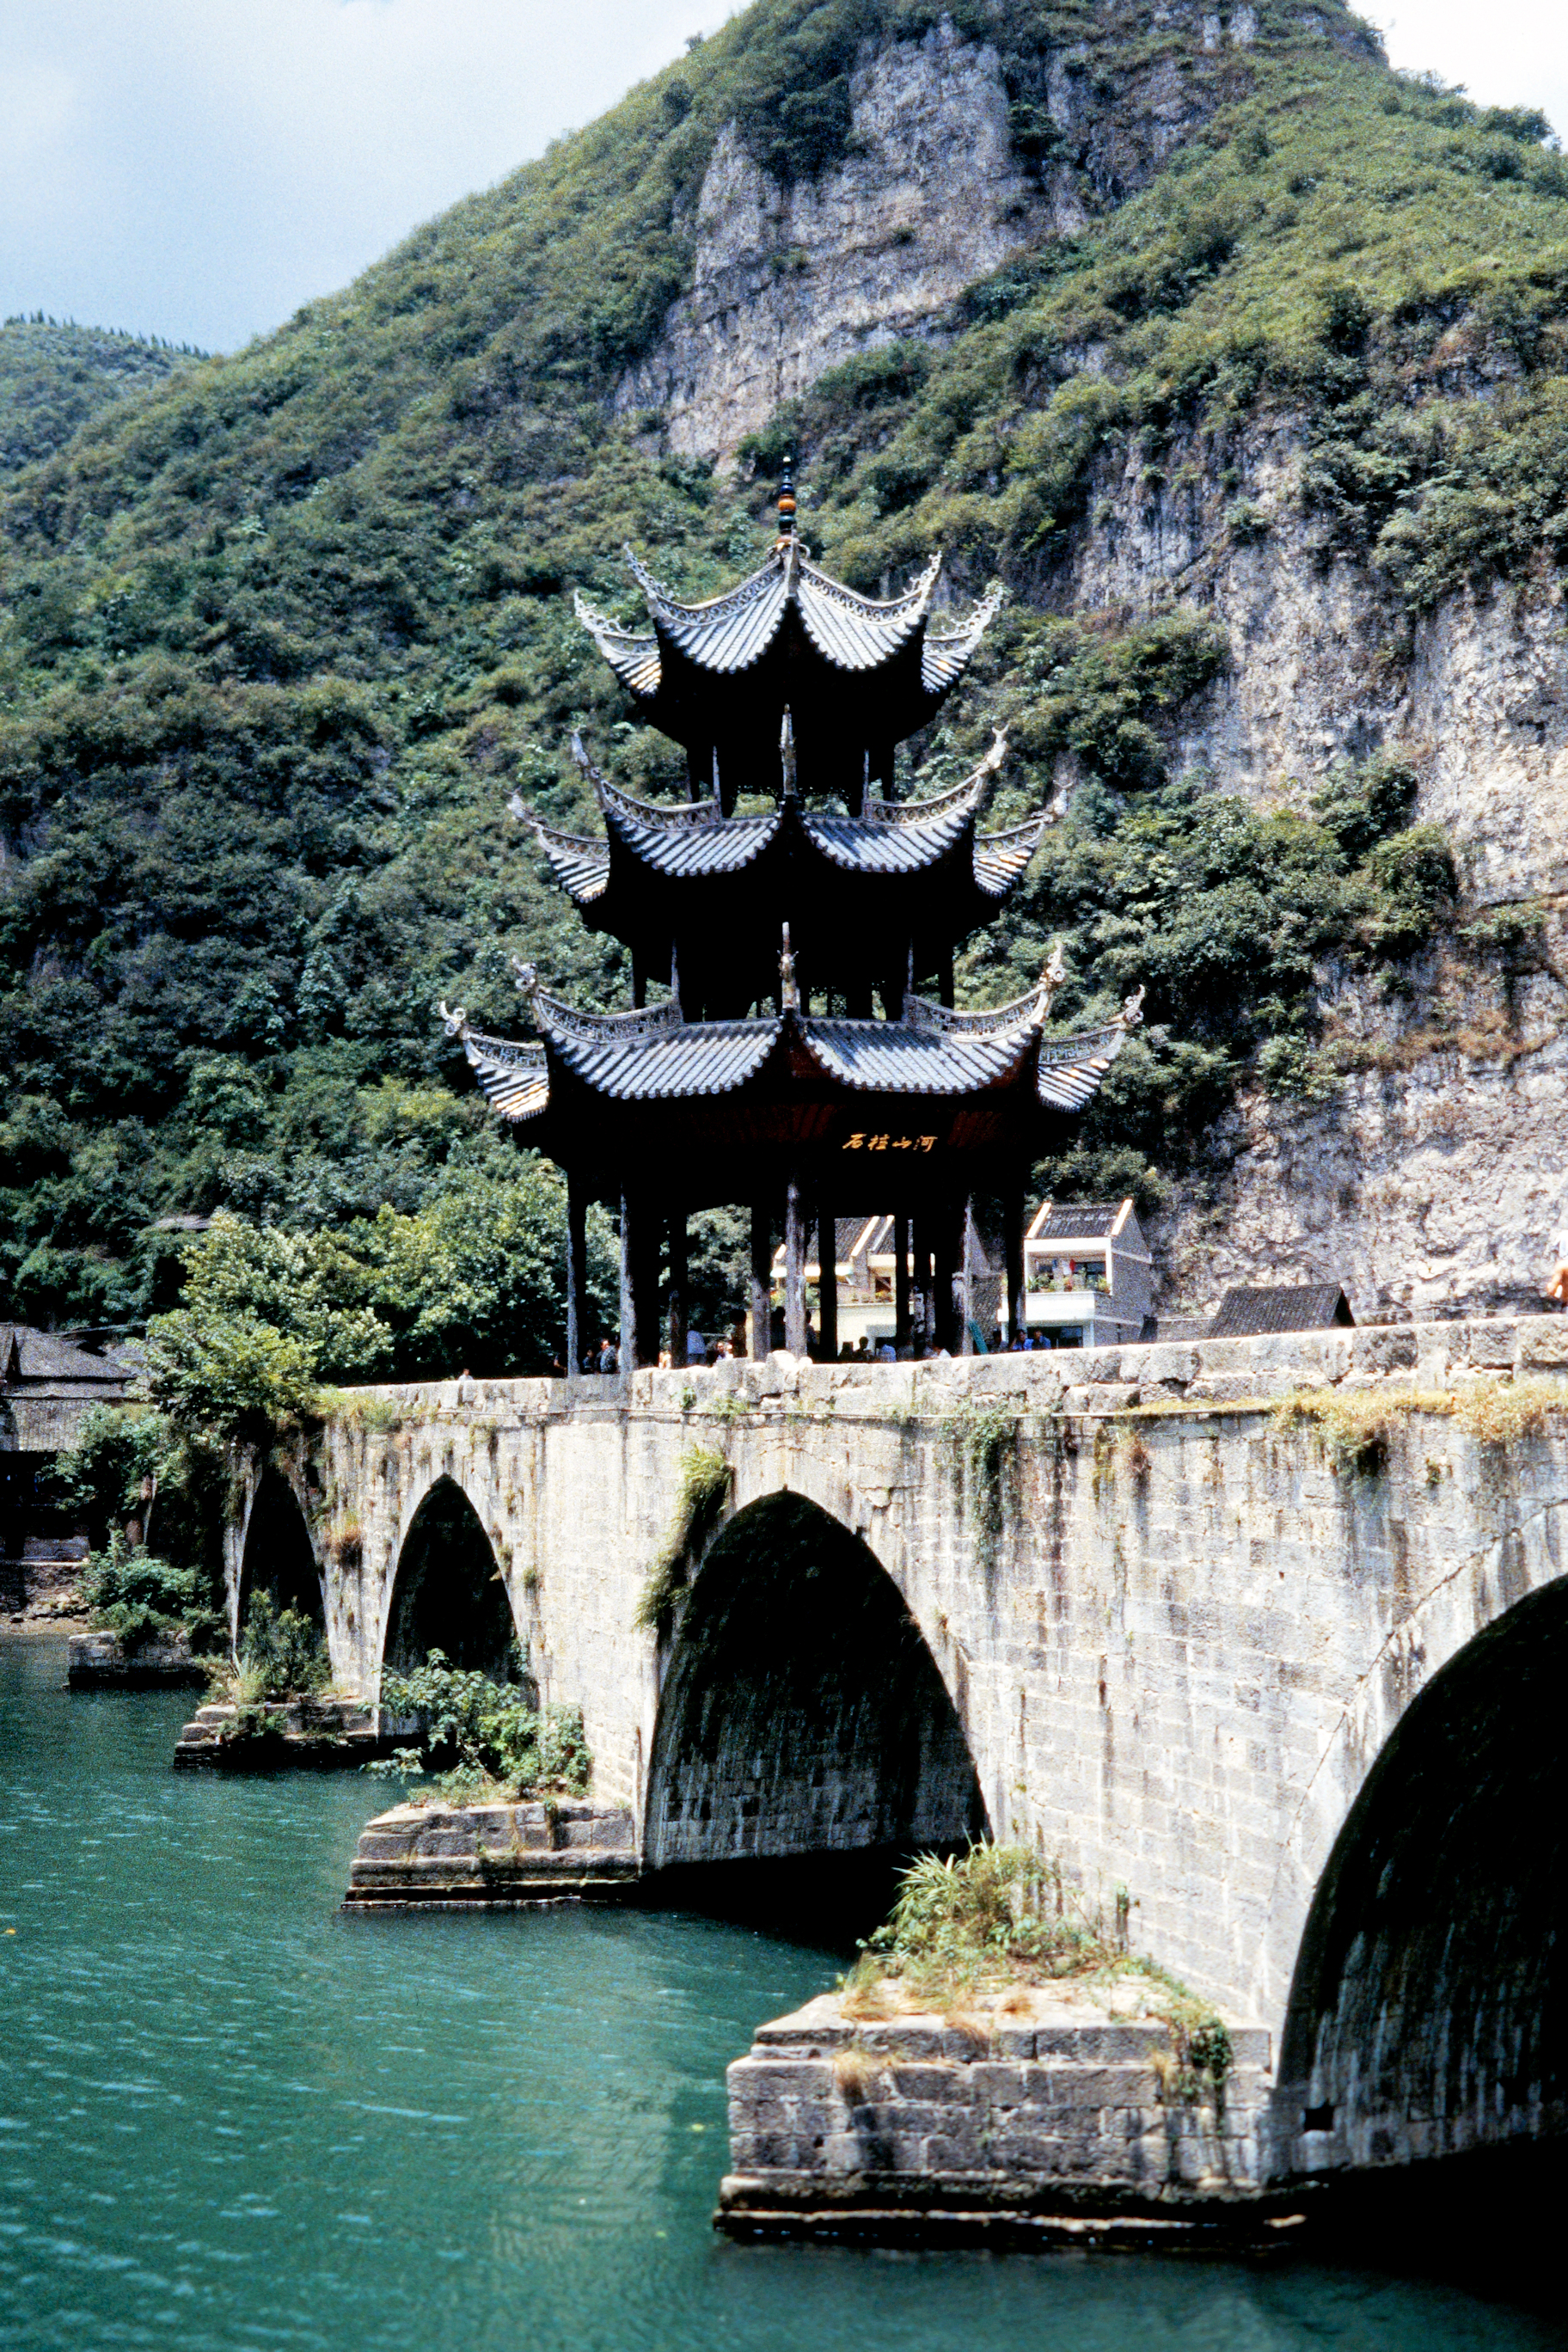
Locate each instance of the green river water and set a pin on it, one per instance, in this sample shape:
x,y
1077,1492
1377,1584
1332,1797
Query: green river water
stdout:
x,y
231,2116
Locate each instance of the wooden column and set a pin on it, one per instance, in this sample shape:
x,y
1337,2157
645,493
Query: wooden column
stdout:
x,y
944,973
577,1273
794,1265
680,1315
762,1280
923,1278
965,1279
902,1335
639,1282
629,1289
1013,1242
944,1266
826,1285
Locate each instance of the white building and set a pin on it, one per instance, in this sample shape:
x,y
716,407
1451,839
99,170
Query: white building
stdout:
x,y
1087,1274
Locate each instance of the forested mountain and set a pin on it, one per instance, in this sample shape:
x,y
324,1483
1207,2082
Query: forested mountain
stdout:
x,y
1257,405
53,377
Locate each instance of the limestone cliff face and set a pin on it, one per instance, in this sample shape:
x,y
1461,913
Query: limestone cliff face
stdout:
x,y
1434,1178
1324,666
792,281
1432,1182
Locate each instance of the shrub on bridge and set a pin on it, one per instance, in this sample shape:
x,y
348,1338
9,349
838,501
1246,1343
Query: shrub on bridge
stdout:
x,y
1000,1918
488,1735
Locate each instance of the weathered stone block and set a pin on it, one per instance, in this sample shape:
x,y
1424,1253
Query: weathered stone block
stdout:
x,y
1542,1343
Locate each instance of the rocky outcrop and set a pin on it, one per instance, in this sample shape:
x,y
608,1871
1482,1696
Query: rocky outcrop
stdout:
x,y
792,281
1432,1181
1431,1178
1325,666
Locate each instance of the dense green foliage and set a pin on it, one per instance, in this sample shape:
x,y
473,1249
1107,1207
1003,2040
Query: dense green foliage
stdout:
x,y
53,377
487,1735
281,1654
102,1484
474,1280
132,1594
279,634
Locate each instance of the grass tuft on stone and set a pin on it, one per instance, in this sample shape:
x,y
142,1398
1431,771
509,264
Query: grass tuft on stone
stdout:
x,y
1001,1920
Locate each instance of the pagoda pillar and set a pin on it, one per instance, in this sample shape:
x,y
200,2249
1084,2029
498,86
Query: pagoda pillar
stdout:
x,y
945,1266
577,1273
640,1284
679,1313
922,1278
826,1285
1013,1242
794,1265
762,1281
967,1280
902,1335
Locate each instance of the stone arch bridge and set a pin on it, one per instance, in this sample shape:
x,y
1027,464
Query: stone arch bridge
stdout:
x,y
1267,1632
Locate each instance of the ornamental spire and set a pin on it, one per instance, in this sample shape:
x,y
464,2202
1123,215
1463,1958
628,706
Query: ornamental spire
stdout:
x,y
787,500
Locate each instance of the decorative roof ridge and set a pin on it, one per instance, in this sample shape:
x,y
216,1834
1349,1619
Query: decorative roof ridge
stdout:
x,y
601,626
911,607
555,1019
1113,1032
526,1053
797,567
942,1020
975,784
518,807
663,600
1007,832
971,630
611,797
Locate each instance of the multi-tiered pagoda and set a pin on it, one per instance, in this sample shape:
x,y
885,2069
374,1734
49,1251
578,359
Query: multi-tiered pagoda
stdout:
x,y
794,908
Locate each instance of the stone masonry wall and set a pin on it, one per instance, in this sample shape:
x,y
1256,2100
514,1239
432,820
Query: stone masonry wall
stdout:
x,y
1051,2095
1174,1667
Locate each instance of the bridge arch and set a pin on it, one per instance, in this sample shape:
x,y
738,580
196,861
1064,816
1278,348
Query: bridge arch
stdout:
x,y
276,1555
447,1592
1428,2012
801,1712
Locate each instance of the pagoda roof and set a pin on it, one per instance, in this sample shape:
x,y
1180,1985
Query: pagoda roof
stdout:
x,y
729,632
727,635
657,1055
692,840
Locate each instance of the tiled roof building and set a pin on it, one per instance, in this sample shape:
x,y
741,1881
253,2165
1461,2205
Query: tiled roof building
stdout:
x,y
808,1058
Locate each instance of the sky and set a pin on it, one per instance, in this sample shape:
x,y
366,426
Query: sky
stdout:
x,y
197,169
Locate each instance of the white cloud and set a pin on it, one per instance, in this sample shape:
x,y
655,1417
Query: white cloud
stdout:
x,y
199,168
1511,54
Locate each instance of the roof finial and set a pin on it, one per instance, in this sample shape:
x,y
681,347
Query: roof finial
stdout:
x,y
787,499
786,755
789,995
